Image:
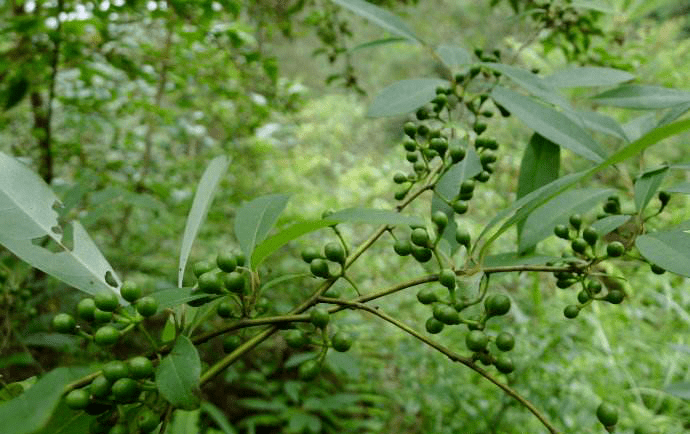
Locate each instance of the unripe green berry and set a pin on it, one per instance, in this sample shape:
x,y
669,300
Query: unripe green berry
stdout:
x,y
479,127
130,291
140,367
241,259
202,267
426,296
402,247
295,338
504,364
467,186
594,286
106,301
147,306
64,323
421,254
101,316
462,236
590,235
447,278
440,219
460,207
77,399
476,340
571,311
505,341
341,342
319,268
412,157
615,249
226,261
100,387
211,283
334,251
86,308
615,296
607,414
409,144
575,221
562,231
497,304
579,245
309,254
231,342
664,197
483,176
115,369
410,129
656,269
319,317
457,153
234,282
582,297
147,420
309,370
433,326
420,237
225,309
125,390
106,335
399,178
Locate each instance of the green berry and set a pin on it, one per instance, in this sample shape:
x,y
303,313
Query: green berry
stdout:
x,y
106,301
565,283
334,252
64,323
480,127
100,387
420,237
467,186
341,341
101,316
447,278
86,309
562,231
582,297
296,338
410,129
460,207
504,364
234,282
433,326
211,283
615,296
412,157
310,253
579,245
115,369
319,317
421,114
590,235
612,207
462,236
225,309
487,157
309,370
476,340
226,261
615,249
130,291
147,420
607,414
497,304
439,144
483,176
402,247
440,219
399,178
571,311
409,144
426,296
125,390
664,197
241,259
575,221
656,269
594,286
319,268
457,153
202,267
147,306
140,367
446,314
77,399
231,342
421,254
119,429
106,335
505,341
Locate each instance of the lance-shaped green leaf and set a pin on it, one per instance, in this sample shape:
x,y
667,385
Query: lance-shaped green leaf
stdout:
x,y
185,422
378,43
255,219
512,259
683,187
646,185
374,217
273,243
531,83
542,220
404,96
680,390
380,17
540,165
674,113
29,226
588,76
639,126
550,123
448,187
172,297
454,57
218,417
636,96
177,375
609,224
669,250
31,411
595,5
598,122
205,192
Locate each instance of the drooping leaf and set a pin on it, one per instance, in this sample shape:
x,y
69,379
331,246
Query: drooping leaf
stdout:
x,y
177,375
374,217
636,96
273,243
28,219
680,390
683,187
610,223
197,214
646,186
218,417
31,411
550,123
542,220
380,17
540,165
669,249
404,96
454,56
448,187
531,83
255,219
588,76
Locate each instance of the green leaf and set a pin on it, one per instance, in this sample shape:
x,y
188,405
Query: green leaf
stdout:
x,y
609,224
374,217
453,56
218,417
67,421
177,375
531,83
271,244
636,96
448,186
255,219
27,215
588,76
404,96
646,186
32,410
683,187
185,422
197,214
674,113
680,390
670,250
549,123
650,138
16,90
172,297
542,220
380,17
516,259
598,122
596,5
378,42
639,126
